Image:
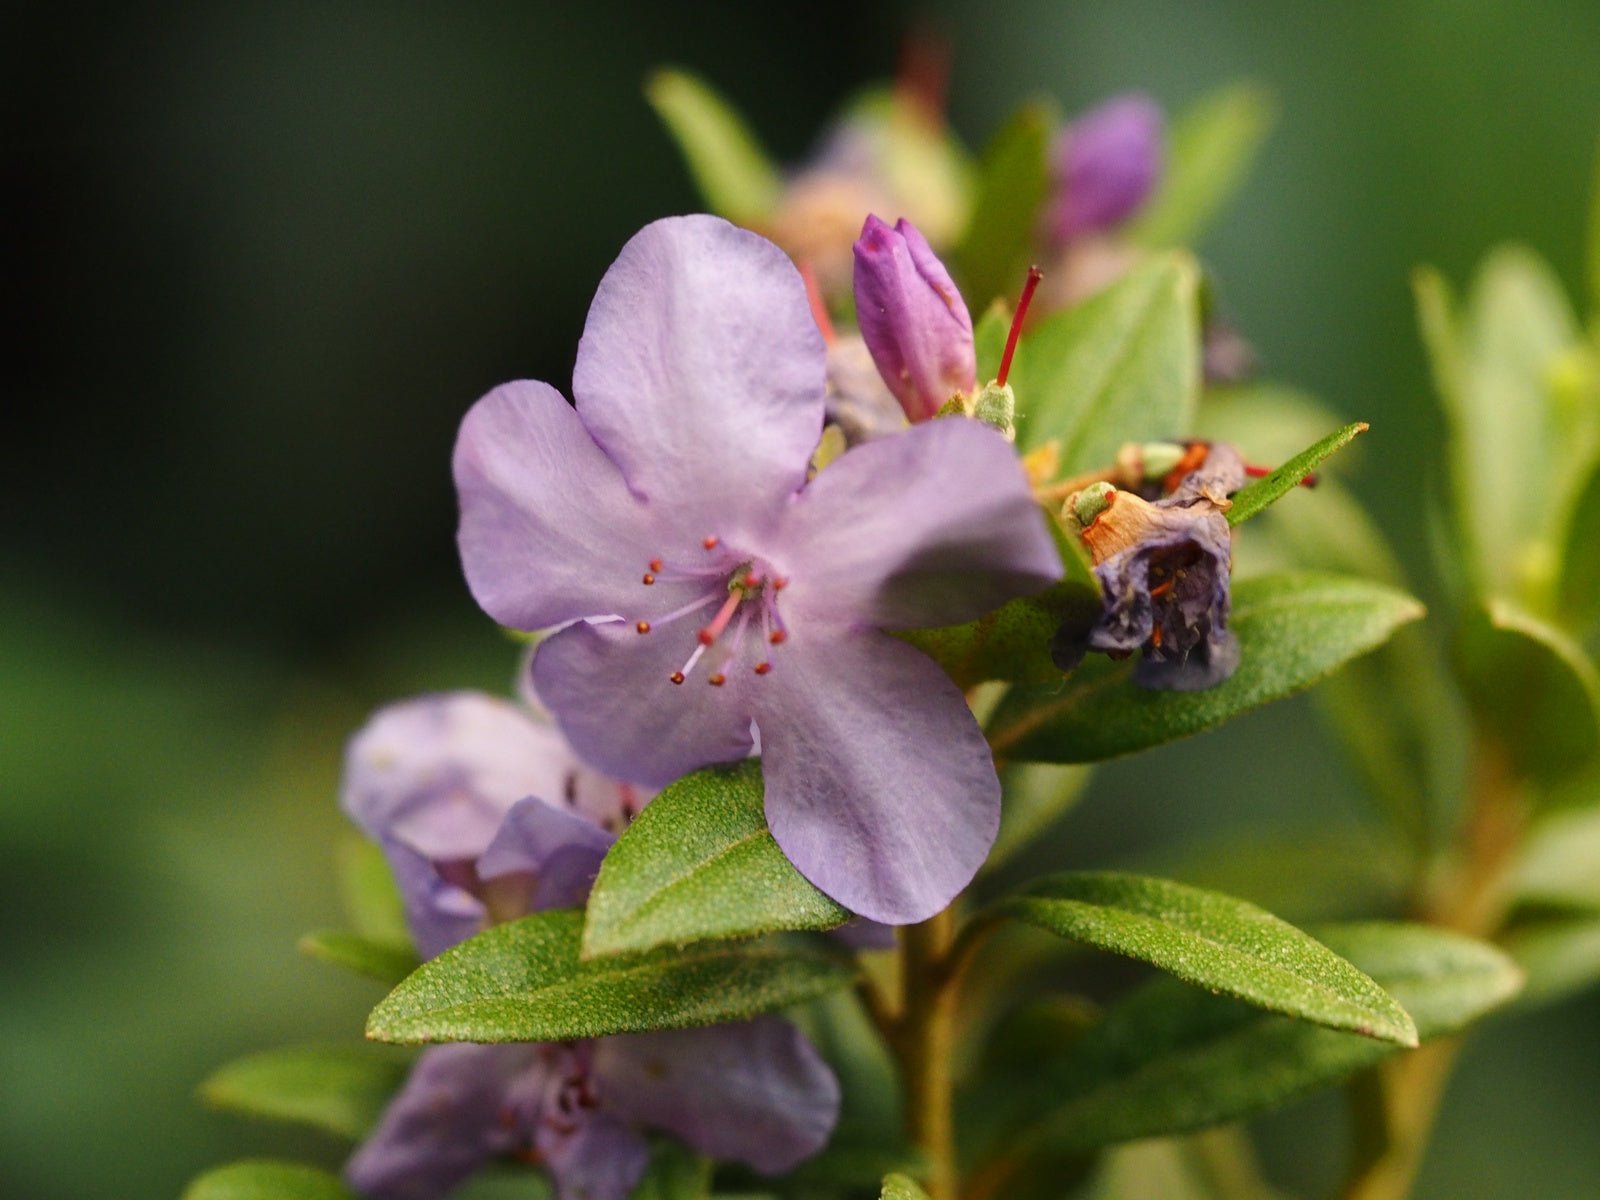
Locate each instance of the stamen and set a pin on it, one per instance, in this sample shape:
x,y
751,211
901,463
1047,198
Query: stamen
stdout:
x,y
643,626
763,667
720,622
692,606
717,680
770,617
819,307
1028,288
736,645
656,564
648,579
680,676
710,541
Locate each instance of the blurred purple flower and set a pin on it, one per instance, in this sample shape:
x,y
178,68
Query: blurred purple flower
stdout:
x,y
912,318
669,519
1107,163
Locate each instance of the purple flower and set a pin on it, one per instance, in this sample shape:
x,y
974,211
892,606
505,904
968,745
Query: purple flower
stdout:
x,y
913,319
669,519
437,781
1106,164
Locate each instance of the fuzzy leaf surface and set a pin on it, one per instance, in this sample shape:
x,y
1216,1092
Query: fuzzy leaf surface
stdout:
x,y
1249,501
1293,630
1215,942
524,982
698,862
340,1089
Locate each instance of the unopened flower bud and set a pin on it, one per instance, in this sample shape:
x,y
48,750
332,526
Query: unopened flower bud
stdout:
x,y
1106,165
913,319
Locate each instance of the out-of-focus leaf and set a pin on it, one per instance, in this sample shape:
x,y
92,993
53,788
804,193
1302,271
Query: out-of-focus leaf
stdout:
x,y
1208,155
1560,954
1012,643
341,1089
266,1179
1266,420
1171,1058
698,862
1212,941
989,338
901,1187
1593,239
1249,501
1579,606
729,166
1292,629
1034,795
1123,366
1559,864
1529,681
372,901
387,962
1012,182
925,167
675,1173
524,982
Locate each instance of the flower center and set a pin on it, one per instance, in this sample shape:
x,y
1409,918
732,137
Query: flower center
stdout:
x,y
744,590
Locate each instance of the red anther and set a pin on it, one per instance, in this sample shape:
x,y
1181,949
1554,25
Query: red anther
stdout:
x,y
710,543
1161,589
648,580
751,580
706,637
779,583
819,306
763,667
1155,637
1255,472
676,677
717,680
1028,288
643,626
778,637
655,564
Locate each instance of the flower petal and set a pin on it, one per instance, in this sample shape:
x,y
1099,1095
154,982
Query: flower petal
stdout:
x,y
611,692
549,531
442,1126
597,1158
558,848
879,785
438,773
756,1092
438,913
932,526
701,373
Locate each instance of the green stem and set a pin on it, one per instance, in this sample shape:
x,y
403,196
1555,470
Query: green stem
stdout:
x,y
925,1044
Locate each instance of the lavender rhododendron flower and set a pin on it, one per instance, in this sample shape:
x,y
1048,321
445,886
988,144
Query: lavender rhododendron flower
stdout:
x,y
1107,163
452,786
711,589
913,318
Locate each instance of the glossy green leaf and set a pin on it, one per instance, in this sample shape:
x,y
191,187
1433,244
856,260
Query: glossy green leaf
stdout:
x,y
1249,501
1012,643
732,171
1171,1058
1011,185
1209,152
699,862
524,982
1033,795
1122,366
372,901
387,962
1559,862
1293,630
340,1089
901,1187
1560,955
1212,941
266,1179
1535,686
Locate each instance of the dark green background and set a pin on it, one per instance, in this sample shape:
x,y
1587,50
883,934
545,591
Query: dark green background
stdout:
x,y
262,259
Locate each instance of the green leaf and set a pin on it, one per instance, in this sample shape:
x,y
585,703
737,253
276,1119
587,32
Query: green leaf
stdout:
x,y
1012,182
524,982
386,962
1123,366
1593,239
1559,863
674,1173
1293,629
733,172
266,1179
1171,1058
1012,643
698,862
1249,501
1033,796
1560,954
1531,683
989,338
901,1187
1208,155
1579,604
340,1089
372,901
1212,941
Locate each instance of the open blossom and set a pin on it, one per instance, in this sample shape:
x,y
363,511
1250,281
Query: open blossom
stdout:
x,y
452,786
711,591
913,318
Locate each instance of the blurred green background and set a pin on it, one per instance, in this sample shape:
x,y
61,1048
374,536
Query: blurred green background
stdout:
x,y
264,257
